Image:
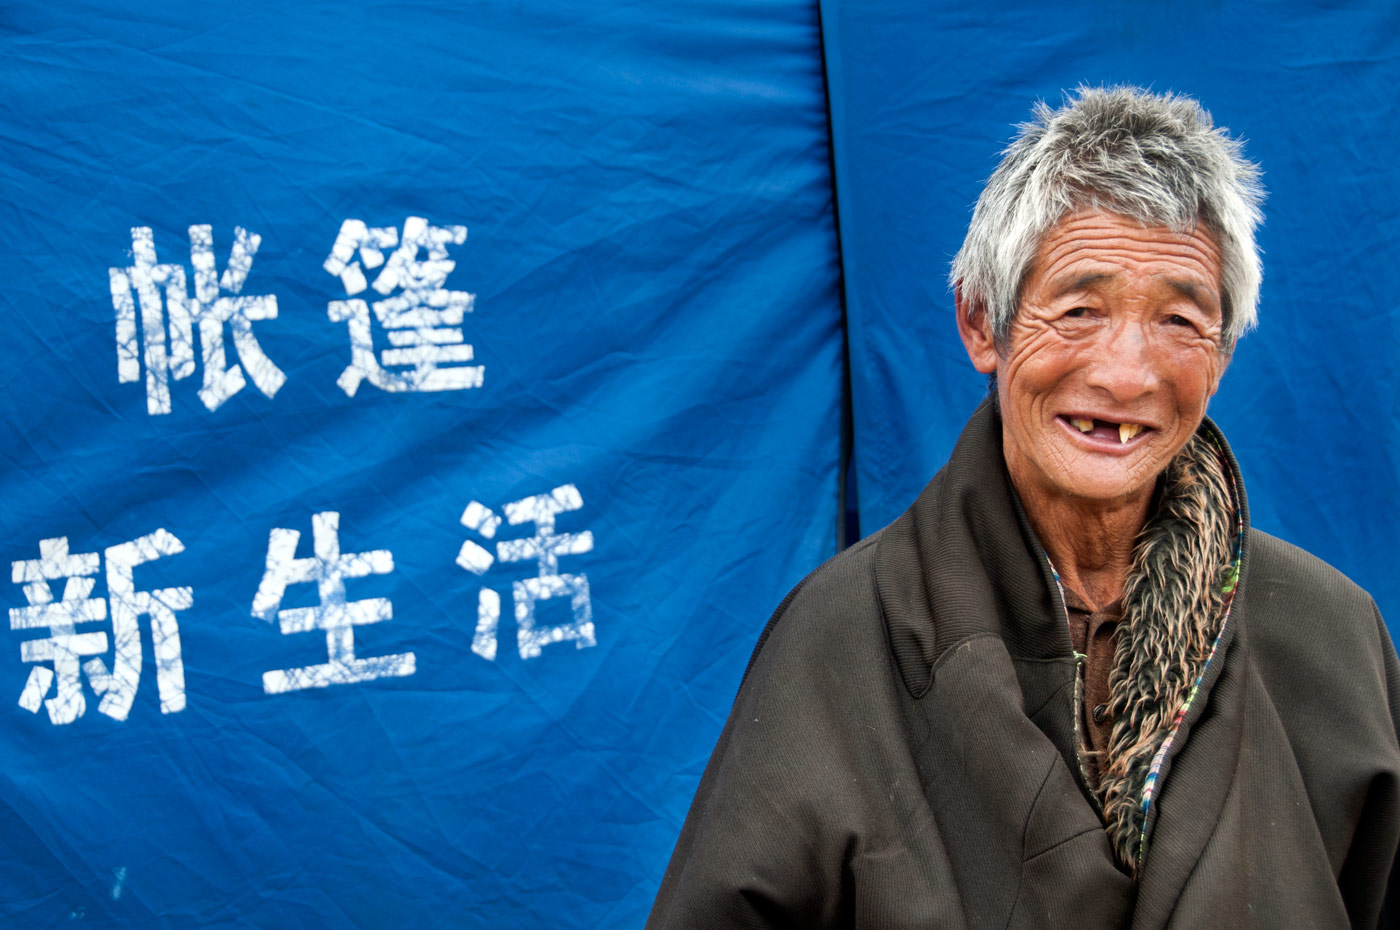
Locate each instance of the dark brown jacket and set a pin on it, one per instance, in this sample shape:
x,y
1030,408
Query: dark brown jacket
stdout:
x,y
902,751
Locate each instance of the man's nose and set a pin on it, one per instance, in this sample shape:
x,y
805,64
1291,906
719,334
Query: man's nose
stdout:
x,y
1123,364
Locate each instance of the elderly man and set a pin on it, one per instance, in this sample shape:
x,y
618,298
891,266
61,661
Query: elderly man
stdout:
x,y
1070,686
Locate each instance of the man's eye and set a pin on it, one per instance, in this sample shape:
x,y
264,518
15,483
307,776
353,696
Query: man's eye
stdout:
x,y
1176,319
1077,313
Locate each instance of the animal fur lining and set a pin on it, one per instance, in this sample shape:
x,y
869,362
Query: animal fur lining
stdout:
x,y
1172,611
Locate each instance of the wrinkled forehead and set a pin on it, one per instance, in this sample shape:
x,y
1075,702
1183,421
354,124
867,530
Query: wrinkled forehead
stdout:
x,y
1093,248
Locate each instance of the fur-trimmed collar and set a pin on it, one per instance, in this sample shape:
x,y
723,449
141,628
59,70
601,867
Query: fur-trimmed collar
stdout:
x,y
1177,595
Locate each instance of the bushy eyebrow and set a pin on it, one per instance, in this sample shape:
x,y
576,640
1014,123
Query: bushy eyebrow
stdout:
x,y
1203,297
1081,283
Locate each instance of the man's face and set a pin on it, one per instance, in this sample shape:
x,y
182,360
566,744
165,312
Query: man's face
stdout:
x,y
1113,355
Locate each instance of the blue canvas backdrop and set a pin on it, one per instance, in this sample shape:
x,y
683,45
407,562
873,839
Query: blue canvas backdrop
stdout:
x,y
649,240
925,95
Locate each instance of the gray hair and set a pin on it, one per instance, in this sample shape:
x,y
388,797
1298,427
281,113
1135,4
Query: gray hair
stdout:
x,y
1154,157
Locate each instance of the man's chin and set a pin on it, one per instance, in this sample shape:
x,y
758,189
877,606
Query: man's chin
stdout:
x,y
1098,482
1097,489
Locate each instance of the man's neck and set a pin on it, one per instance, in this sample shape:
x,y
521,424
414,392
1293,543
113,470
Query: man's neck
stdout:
x,y
1090,544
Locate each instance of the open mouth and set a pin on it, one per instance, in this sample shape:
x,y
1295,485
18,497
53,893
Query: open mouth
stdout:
x,y
1106,430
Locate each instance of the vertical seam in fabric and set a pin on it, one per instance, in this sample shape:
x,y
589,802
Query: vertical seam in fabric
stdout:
x,y
847,492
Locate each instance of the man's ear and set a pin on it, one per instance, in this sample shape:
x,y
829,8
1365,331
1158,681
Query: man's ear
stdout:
x,y
976,331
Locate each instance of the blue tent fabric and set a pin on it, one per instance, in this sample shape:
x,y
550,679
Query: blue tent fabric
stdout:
x,y
923,97
412,413
397,462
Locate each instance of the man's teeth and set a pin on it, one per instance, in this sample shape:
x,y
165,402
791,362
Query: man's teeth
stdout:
x,y
1126,431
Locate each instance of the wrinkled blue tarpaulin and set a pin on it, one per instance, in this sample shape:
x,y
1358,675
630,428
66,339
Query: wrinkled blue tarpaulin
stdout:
x,y
923,95
540,562
647,233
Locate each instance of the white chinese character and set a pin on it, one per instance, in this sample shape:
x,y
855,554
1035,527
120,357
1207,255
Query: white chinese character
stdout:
x,y
423,322
328,568
545,547
64,647
207,311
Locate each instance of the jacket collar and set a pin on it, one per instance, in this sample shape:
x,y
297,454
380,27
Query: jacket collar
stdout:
x,y
963,561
